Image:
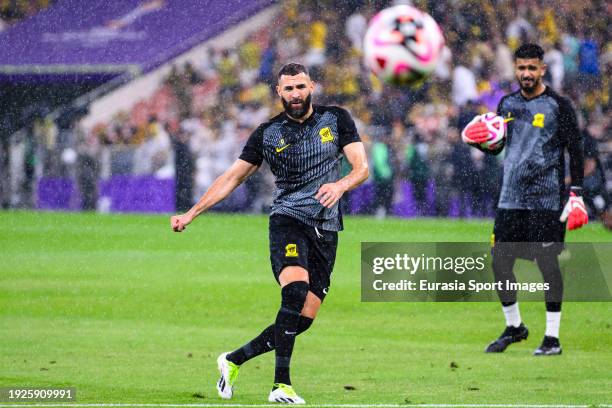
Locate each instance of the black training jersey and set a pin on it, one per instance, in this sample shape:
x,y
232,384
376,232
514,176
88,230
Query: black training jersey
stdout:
x,y
539,131
303,157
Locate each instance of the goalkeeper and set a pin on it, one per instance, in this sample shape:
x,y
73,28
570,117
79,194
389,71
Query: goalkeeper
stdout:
x,y
534,207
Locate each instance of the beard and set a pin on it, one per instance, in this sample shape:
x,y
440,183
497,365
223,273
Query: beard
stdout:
x,y
529,88
299,111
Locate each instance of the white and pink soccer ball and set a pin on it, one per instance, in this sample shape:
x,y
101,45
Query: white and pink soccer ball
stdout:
x,y
496,125
403,45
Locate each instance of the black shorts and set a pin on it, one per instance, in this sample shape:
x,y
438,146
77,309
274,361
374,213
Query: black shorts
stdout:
x,y
293,243
534,231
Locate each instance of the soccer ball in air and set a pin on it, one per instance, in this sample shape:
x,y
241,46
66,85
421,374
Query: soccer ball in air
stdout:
x,y
402,45
496,125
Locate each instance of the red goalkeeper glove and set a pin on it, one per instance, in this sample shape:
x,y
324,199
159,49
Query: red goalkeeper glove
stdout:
x,y
475,132
574,212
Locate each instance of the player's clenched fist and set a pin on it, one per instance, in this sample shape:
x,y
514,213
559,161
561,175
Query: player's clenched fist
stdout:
x,y
475,132
180,222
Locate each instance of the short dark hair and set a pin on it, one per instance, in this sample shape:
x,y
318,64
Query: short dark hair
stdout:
x,y
529,51
292,68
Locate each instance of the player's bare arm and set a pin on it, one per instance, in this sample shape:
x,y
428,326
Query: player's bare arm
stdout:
x,y
219,190
329,194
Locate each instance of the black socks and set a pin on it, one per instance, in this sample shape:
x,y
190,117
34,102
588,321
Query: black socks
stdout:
x,y
263,343
286,326
281,335
551,272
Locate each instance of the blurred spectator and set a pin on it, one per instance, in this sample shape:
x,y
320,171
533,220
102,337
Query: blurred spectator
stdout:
x,y
417,164
504,64
596,196
466,114
355,29
180,83
519,30
463,174
442,172
570,48
464,82
250,60
184,166
192,76
443,68
268,59
382,175
30,156
229,73
88,167
588,65
486,182
5,162
491,92
153,155
45,134
556,67
317,42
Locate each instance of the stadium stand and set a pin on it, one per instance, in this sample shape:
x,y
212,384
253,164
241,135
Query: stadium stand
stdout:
x,y
202,107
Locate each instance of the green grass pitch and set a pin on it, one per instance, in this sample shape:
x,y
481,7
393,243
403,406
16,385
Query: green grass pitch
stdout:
x,y
126,311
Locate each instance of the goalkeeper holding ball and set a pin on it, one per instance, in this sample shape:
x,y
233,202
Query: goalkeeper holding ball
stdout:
x,y
534,205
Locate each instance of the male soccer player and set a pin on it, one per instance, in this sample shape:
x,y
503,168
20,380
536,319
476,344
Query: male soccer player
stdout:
x,y
534,205
303,146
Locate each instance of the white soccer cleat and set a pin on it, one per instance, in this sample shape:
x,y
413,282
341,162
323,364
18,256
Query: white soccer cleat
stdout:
x,y
229,373
285,394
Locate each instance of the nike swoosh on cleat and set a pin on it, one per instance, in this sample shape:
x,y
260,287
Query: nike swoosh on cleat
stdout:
x,y
547,244
287,332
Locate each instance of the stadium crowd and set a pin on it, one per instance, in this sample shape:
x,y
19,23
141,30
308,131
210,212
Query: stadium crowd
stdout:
x,y
13,11
200,116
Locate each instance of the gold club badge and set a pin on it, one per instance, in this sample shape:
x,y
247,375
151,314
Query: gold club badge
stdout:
x,y
326,135
291,250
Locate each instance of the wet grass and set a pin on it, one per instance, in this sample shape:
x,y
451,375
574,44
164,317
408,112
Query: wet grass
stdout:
x,y
128,312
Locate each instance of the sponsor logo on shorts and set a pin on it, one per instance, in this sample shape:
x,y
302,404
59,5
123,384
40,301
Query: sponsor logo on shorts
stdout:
x,y
291,250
